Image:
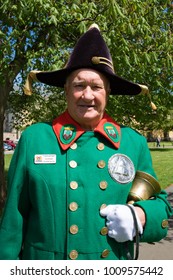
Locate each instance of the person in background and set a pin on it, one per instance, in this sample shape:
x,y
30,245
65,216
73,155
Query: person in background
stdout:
x,y
158,140
69,179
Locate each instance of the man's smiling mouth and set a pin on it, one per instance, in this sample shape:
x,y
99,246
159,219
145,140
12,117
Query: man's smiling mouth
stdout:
x,y
87,106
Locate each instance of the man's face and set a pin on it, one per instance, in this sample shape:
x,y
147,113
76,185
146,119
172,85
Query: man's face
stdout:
x,y
87,92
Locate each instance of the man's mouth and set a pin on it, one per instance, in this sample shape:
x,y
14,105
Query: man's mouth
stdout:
x,y
87,106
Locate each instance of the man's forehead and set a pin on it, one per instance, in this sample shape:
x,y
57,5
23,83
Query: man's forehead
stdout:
x,y
85,74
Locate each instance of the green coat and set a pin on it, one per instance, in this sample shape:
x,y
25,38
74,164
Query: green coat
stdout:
x,y
59,178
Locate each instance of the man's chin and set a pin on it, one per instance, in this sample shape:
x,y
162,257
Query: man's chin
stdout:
x,y
89,116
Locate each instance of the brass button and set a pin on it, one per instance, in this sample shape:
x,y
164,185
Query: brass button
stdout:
x,y
74,229
103,185
103,206
164,223
73,146
105,253
104,231
73,164
73,206
100,146
73,255
73,185
101,164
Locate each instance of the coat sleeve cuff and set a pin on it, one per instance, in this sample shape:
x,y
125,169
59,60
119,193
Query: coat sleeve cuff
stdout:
x,y
157,213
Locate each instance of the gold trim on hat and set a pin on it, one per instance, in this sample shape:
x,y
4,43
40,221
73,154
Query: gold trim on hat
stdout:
x,y
145,90
29,80
102,60
94,25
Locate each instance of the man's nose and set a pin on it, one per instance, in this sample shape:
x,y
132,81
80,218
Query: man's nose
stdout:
x,y
88,94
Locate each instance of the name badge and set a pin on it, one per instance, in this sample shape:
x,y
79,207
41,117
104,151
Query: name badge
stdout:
x,y
45,159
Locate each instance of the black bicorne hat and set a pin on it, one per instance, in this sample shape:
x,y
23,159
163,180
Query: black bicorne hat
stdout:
x,y
90,52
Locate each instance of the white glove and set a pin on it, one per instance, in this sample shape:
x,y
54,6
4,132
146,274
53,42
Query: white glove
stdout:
x,y
120,222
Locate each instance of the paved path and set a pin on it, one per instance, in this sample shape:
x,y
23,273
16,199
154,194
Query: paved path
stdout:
x,y
162,250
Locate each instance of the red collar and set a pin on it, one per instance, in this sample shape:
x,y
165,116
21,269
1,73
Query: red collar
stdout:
x,y
68,131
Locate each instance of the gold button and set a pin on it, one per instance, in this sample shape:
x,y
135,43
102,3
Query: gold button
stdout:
x,y
164,223
103,185
100,146
73,146
73,185
73,164
104,231
105,253
73,255
74,229
73,206
103,206
101,164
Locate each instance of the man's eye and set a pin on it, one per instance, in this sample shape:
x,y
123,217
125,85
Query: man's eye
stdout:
x,y
96,87
78,86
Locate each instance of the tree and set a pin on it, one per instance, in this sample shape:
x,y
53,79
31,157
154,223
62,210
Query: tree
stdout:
x,y
40,34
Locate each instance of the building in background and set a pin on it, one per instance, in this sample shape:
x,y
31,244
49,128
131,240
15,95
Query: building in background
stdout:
x,y
9,131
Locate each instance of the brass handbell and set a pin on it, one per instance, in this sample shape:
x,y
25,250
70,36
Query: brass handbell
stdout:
x,y
144,186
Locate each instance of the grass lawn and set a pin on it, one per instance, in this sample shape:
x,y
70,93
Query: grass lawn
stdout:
x,y
162,162
163,165
7,160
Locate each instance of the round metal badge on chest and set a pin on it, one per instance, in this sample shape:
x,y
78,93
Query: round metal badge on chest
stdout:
x,y
121,168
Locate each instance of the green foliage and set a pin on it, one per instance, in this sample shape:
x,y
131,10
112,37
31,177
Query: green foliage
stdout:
x,y
36,108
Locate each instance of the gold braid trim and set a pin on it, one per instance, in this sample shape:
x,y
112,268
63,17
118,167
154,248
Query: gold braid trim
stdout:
x,y
102,60
145,90
29,80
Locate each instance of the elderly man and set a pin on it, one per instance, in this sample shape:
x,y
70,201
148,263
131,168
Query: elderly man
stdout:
x,y
69,180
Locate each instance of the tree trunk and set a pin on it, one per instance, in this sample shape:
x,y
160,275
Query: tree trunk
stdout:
x,y
2,176
166,136
4,92
5,87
